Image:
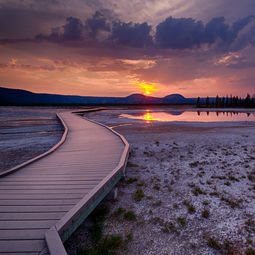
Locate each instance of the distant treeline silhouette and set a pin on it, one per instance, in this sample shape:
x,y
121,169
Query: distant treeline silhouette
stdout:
x,y
227,102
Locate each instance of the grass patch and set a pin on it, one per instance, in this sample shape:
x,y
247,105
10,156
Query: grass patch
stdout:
x,y
119,211
129,164
131,180
191,209
139,194
182,221
250,251
194,164
205,214
212,243
197,191
101,245
233,204
156,187
129,215
106,246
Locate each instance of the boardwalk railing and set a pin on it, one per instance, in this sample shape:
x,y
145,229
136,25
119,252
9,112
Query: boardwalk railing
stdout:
x,y
73,219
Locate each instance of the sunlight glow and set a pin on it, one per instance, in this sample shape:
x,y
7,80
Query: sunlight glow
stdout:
x,y
147,88
148,117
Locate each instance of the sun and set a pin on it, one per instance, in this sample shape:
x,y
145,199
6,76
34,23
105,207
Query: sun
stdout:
x,y
146,88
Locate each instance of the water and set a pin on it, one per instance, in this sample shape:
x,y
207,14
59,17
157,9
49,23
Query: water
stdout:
x,y
151,115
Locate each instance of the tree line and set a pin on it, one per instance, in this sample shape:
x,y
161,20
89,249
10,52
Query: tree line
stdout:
x,y
226,102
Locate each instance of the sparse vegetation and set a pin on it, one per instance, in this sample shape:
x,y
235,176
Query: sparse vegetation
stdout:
x,y
191,209
212,243
139,194
129,215
182,221
250,251
205,214
131,180
197,191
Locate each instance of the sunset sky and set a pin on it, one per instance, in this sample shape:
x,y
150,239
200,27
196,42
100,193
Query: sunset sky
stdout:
x,y
120,47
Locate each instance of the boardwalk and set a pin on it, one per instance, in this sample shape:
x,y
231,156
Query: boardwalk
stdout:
x,y
54,194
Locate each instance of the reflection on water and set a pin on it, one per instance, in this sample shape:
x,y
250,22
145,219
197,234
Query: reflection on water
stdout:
x,y
195,116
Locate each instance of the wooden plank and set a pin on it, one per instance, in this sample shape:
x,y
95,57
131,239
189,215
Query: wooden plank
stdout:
x,y
22,202
22,253
82,191
31,216
34,208
39,196
31,224
24,234
84,177
25,246
46,187
57,182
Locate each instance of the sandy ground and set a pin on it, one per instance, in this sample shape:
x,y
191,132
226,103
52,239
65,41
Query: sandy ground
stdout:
x,y
197,182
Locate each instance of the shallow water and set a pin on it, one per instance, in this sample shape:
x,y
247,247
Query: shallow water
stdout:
x,y
189,116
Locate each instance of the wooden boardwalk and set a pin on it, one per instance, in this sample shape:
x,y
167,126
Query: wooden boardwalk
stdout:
x,y
43,202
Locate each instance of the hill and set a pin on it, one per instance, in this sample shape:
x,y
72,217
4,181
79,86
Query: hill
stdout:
x,y
23,97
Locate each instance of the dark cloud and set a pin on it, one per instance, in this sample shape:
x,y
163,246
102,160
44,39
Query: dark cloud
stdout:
x,y
73,29
98,22
104,29
119,33
131,34
181,33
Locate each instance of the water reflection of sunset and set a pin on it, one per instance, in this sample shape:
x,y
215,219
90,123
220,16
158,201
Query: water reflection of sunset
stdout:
x,y
192,116
148,117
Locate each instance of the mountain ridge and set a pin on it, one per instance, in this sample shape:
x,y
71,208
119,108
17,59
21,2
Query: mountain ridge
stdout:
x,y
10,96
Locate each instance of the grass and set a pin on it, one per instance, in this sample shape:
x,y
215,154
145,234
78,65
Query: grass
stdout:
x,y
182,221
169,227
106,246
129,215
138,195
191,209
119,211
205,202
101,245
194,164
212,243
129,237
156,187
98,218
197,191
131,180
233,204
205,214
250,251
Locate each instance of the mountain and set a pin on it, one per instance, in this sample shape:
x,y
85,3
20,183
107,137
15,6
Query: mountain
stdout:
x,y
23,97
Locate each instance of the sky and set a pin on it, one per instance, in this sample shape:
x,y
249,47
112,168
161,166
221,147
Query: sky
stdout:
x,y
120,47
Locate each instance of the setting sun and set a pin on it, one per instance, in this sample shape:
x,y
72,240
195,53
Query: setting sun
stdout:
x,y
146,88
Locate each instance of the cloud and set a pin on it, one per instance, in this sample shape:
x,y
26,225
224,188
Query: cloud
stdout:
x,y
183,33
131,34
179,33
172,33
96,24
